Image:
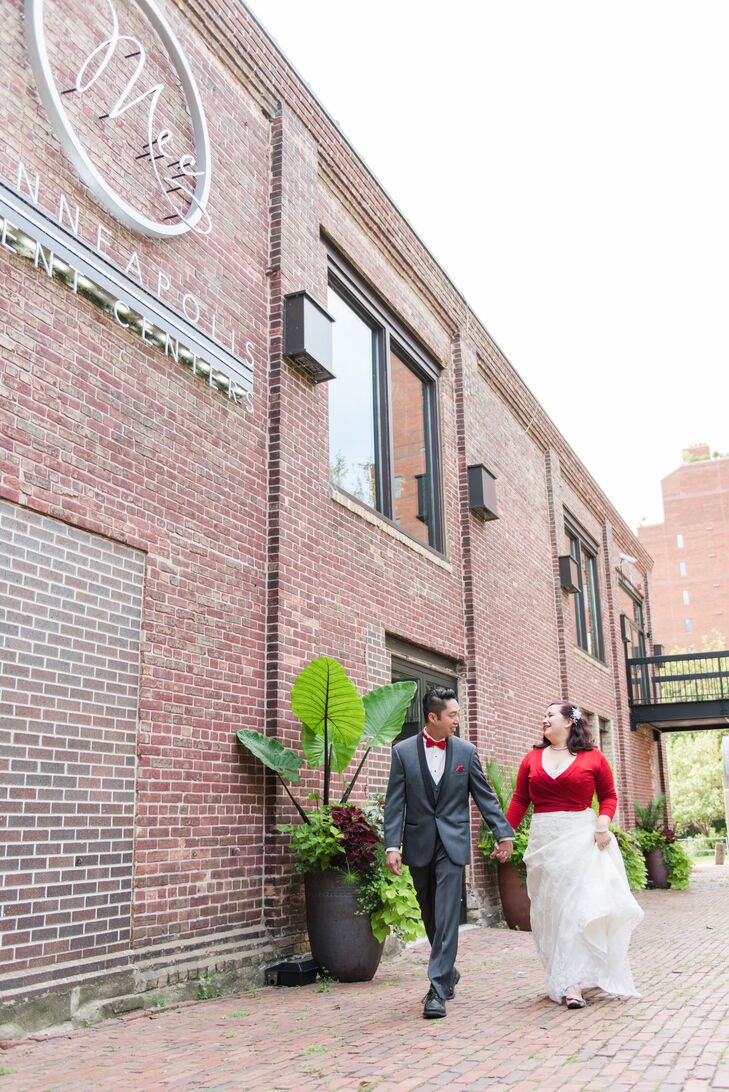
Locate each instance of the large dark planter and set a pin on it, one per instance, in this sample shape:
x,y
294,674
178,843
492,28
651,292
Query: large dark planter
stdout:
x,y
514,897
341,938
656,868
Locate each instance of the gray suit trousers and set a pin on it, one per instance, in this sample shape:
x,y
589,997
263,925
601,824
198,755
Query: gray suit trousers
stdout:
x,y
439,887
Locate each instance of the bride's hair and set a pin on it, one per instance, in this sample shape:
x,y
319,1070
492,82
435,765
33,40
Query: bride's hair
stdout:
x,y
580,737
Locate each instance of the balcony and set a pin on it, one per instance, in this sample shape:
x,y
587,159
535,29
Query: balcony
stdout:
x,y
681,693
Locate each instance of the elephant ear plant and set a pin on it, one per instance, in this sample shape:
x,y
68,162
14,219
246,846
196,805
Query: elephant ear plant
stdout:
x,y
336,721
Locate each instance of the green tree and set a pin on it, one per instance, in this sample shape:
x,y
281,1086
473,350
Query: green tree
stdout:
x,y
694,762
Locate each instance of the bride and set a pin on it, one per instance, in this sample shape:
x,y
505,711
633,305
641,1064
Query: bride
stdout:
x,y
582,910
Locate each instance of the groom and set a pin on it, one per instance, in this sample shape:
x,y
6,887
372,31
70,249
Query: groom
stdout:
x,y
432,777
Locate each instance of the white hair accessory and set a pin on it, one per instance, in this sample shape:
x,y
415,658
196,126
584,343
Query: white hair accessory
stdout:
x,y
576,715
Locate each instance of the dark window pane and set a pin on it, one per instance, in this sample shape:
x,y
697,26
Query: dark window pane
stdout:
x,y
352,439
579,596
590,593
411,486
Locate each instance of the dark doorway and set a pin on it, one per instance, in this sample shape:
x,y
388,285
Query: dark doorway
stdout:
x,y
426,680
402,671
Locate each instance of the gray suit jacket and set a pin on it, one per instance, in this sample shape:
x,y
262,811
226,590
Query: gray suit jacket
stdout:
x,y
415,809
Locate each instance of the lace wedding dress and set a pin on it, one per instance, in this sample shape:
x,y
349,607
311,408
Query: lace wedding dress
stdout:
x,y
582,909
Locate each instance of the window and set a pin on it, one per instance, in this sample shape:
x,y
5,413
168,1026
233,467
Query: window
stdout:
x,y
426,678
679,541
588,622
352,443
685,597
688,625
382,413
632,626
605,737
682,568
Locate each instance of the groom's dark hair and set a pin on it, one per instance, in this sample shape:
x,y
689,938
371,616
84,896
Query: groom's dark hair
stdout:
x,y
436,700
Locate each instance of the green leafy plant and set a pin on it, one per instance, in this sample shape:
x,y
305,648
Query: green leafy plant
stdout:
x,y
325,981
678,864
653,815
335,722
394,904
633,858
207,986
648,840
318,843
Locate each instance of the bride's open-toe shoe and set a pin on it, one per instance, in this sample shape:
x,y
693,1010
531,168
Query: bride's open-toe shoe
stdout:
x,y
574,1001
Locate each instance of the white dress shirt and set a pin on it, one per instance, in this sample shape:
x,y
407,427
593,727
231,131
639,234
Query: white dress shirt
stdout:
x,y
435,757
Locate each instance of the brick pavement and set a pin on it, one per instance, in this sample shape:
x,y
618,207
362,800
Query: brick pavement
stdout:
x,y
500,1033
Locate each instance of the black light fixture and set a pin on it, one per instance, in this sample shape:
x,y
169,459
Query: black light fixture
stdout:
x,y
308,335
658,650
482,492
569,573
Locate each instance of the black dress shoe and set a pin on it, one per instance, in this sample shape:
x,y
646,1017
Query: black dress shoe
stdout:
x,y
434,1008
454,982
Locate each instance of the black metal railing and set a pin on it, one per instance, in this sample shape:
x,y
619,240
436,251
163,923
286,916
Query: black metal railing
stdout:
x,y
685,677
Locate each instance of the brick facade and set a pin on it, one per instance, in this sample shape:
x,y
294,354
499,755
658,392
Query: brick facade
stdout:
x,y
247,560
70,653
690,578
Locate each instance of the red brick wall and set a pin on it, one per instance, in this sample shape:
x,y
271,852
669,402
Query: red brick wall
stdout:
x,y
105,433
696,506
69,692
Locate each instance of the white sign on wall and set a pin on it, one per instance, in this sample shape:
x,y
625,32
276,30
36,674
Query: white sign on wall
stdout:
x,y
181,175
115,100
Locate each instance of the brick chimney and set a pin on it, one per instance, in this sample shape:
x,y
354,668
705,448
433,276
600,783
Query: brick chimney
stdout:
x,y
696,451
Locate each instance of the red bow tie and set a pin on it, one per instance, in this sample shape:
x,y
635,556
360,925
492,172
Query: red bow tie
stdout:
x,y
435,743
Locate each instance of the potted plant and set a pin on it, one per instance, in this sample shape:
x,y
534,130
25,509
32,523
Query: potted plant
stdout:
x,y
667,862
511,874
352,900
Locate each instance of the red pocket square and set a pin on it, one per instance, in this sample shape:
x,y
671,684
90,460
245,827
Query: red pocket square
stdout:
x,y
460,769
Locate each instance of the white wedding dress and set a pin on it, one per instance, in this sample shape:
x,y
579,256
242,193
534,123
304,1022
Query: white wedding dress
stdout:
x,y
582,909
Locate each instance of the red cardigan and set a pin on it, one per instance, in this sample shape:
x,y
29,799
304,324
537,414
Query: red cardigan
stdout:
x,y
572,790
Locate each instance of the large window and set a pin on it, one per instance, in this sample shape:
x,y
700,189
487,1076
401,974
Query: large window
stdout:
x,y
383,432
588,621
633,627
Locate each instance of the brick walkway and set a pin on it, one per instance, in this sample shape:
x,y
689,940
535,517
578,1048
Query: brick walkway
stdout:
x,y
500,1032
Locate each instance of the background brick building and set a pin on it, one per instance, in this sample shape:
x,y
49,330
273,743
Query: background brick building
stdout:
x,y
690,579
175,550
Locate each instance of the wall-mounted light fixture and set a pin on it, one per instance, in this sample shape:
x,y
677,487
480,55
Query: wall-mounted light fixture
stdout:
x,y
569,573
482,492
308,335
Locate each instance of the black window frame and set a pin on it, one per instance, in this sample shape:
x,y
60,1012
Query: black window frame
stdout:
x,y
633,627
389,335
581,542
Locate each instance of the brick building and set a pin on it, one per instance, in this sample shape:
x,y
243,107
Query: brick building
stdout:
x,y
188,515
690,579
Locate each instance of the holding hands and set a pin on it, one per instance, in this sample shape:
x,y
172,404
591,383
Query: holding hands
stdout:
x,y
503,850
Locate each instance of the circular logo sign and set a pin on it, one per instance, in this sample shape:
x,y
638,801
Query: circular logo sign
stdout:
x,y
129,116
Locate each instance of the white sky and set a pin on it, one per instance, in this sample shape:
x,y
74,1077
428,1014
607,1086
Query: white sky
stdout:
x,y
566,162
